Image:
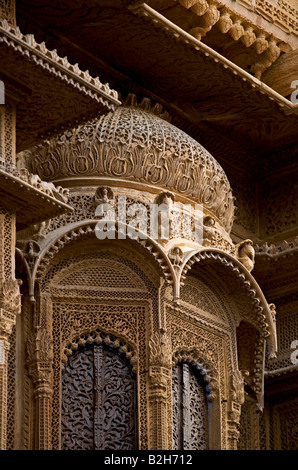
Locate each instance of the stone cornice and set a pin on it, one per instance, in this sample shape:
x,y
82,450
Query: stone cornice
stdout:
x,y
32,203
281,249
178,34
54,94
59,66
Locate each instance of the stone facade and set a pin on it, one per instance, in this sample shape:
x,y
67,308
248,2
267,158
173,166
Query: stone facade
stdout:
x,y
148,240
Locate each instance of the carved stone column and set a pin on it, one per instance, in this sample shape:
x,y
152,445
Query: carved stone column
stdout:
x,y
234,408
10,306
160,366
40,359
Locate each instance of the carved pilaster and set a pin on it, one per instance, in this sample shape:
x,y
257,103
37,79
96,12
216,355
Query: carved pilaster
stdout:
x,y
234,411
159,374
40,359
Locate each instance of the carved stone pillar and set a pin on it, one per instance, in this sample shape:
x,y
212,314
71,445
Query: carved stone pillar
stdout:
x,y
234,408
10,306
160,367
40,359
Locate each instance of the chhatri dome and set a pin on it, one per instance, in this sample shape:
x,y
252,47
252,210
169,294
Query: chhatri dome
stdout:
x,y
135,145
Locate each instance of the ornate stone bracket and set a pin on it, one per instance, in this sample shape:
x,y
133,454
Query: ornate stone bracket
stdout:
x,y
211,12
245,253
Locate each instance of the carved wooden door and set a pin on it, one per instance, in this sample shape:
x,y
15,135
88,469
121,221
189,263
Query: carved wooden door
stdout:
x,y
98,402
190,409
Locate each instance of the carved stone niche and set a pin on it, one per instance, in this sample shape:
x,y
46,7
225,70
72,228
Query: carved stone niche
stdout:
x,y
103,195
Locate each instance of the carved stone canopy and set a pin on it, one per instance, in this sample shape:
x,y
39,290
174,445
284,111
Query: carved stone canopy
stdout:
x,y
131,144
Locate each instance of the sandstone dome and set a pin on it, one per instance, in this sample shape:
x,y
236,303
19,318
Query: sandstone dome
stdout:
x,y
132,144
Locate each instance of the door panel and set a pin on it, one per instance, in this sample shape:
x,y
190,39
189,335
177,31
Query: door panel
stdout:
x,y
190,409
98,401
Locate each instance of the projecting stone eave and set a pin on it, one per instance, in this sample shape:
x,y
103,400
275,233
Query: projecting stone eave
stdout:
x,y
241,75
51,93
31,205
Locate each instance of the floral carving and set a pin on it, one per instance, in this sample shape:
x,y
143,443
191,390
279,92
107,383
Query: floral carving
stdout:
x,y
10,298
98,401
133,144
160,350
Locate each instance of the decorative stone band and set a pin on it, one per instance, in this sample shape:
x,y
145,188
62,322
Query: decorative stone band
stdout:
x,y
281,13
61,194
31,199
273,251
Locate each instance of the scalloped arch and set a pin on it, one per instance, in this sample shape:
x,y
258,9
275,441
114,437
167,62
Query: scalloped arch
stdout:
x,y
86,228
98,336
254,293
206,369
